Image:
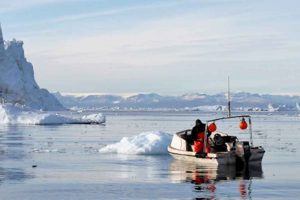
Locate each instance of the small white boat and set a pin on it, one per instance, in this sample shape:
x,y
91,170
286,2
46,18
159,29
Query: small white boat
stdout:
x,y
224,148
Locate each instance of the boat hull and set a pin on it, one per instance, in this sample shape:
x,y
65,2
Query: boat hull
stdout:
x,y
256,156
178,149
222,158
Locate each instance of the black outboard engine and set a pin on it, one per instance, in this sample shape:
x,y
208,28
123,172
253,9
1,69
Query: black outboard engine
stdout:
x,y
243,152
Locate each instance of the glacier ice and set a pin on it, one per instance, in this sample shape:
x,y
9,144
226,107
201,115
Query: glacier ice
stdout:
x,y
17,83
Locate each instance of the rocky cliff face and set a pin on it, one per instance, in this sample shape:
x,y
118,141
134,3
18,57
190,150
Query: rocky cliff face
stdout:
x,y
17,83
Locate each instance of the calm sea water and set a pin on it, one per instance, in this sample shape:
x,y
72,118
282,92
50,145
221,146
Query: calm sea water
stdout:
x,y
63,162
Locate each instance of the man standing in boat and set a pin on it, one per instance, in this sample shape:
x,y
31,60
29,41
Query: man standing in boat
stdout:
x,y
198,128
198,137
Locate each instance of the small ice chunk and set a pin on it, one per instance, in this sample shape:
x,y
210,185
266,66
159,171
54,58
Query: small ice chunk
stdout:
x,y
147,143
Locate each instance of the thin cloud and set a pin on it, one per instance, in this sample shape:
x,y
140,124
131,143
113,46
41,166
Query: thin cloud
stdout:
x,y
212,41
84,16
12,5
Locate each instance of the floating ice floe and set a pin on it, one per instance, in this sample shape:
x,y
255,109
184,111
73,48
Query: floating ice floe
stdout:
x,y
42,150
13,114
147,143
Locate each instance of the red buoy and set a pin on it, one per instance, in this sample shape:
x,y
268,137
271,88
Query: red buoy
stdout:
x,y
243,124
212,127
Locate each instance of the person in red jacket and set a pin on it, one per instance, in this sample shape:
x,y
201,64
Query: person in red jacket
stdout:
x,y
198,128
198,137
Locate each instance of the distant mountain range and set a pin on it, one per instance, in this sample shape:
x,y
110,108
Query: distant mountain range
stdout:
x,y
193,101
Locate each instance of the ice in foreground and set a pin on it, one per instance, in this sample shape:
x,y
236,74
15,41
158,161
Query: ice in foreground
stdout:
x,y
15,114
147,143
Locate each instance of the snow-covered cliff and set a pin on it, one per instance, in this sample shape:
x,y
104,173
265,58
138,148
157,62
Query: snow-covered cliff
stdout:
x,y
17,83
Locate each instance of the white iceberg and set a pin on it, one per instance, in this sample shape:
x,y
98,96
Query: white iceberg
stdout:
x,y
147,143
17,82
17,114
94,118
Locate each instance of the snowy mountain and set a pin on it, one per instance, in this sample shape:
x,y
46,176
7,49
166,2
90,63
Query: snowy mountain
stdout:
x,y
88,101
193,96
195,101
17,83
298,106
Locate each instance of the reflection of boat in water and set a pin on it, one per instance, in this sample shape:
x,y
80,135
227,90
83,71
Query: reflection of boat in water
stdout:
x,y
206,178
190,171
224,149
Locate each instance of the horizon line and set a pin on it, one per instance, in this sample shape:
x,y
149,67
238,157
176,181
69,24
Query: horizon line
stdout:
x,y
129,94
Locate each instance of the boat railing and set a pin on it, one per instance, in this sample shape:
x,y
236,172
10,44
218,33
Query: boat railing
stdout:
x,y
230,117
184,132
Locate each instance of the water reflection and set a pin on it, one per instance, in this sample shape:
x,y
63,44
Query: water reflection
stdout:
x,y
12,154
206,179
13,174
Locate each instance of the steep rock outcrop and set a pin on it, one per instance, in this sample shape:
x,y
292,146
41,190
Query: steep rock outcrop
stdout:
x,y
17,83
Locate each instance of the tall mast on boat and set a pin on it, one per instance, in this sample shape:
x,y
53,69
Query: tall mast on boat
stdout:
x,y
228,98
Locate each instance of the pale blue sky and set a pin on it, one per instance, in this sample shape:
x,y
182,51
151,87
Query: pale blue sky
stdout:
x,y
169,46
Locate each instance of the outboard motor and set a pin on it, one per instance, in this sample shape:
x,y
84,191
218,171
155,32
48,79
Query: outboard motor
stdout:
x,y
243,151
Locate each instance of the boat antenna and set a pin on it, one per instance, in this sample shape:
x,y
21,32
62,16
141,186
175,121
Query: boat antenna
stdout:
x,y
228,98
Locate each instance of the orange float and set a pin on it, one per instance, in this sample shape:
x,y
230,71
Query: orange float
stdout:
x,y
212,127
243,124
